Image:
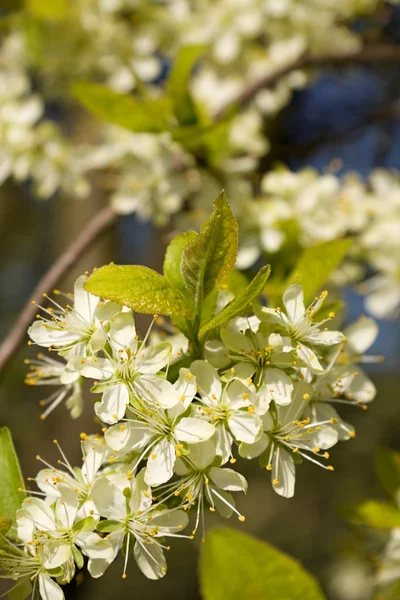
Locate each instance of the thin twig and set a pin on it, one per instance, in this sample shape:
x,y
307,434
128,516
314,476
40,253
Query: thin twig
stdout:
x,y
368,54
82,242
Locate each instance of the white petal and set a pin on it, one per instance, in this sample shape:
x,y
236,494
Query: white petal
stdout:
x,y
97,566
132,435
250,451
160,464
66,506
283,473
237,395
324,338
84,303
154,358
361,387
41,513
301,394
49,589
109,499
150,559
54,554
113,403
94,546
361,334
169,521
43,335
157,390
123,332
228,480
293,299
193,431
271,315
238,342
185,388
202,454
207,378
223,443
277,386
96,452
141,493
99,368
309,358
215,352
245,426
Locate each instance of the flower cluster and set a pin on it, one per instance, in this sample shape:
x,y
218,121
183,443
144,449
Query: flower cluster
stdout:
x,y
265,387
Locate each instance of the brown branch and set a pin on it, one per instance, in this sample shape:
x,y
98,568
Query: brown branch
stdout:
x,y
80,244
373,53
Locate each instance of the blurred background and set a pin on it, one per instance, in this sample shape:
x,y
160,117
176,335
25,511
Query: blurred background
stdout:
x,y
349,118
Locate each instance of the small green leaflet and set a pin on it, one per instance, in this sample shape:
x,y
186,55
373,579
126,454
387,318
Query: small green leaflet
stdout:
x,y
172,261
240,303
316,264
387,468
10,478
235,566
145,115
139,288
374,513
211,256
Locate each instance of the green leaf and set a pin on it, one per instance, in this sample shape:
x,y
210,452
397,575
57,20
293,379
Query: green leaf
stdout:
x,y
240,303
316,264
86,524
387,468
48,10
10,478
172,261
235,566
140,288
178,83
109,525
211,256
5,525
374,513
148,115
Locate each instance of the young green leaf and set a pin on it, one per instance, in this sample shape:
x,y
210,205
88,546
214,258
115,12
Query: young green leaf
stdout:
x,y
387,468
172,261
235,565
10,478
5,525
148,115
48,10
178,83
316,264
240,303
140,288
374,513
211,255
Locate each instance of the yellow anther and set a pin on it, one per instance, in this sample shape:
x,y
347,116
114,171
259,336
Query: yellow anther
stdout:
x,y
352,434
245,396
275,481
233,370
306,396
122,427
269,467
295,450
211,509
232,461
250,409
326,454
315,449
188,376
333,420
241,518
123,575
154,456
330,468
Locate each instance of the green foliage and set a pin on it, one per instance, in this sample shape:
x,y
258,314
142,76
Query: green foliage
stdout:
x,y
172,261
5,524
10,479
240,303
374,513
209,258
48,10
387,468
146,115
178,83
316,264
235,566
388,593
140,288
